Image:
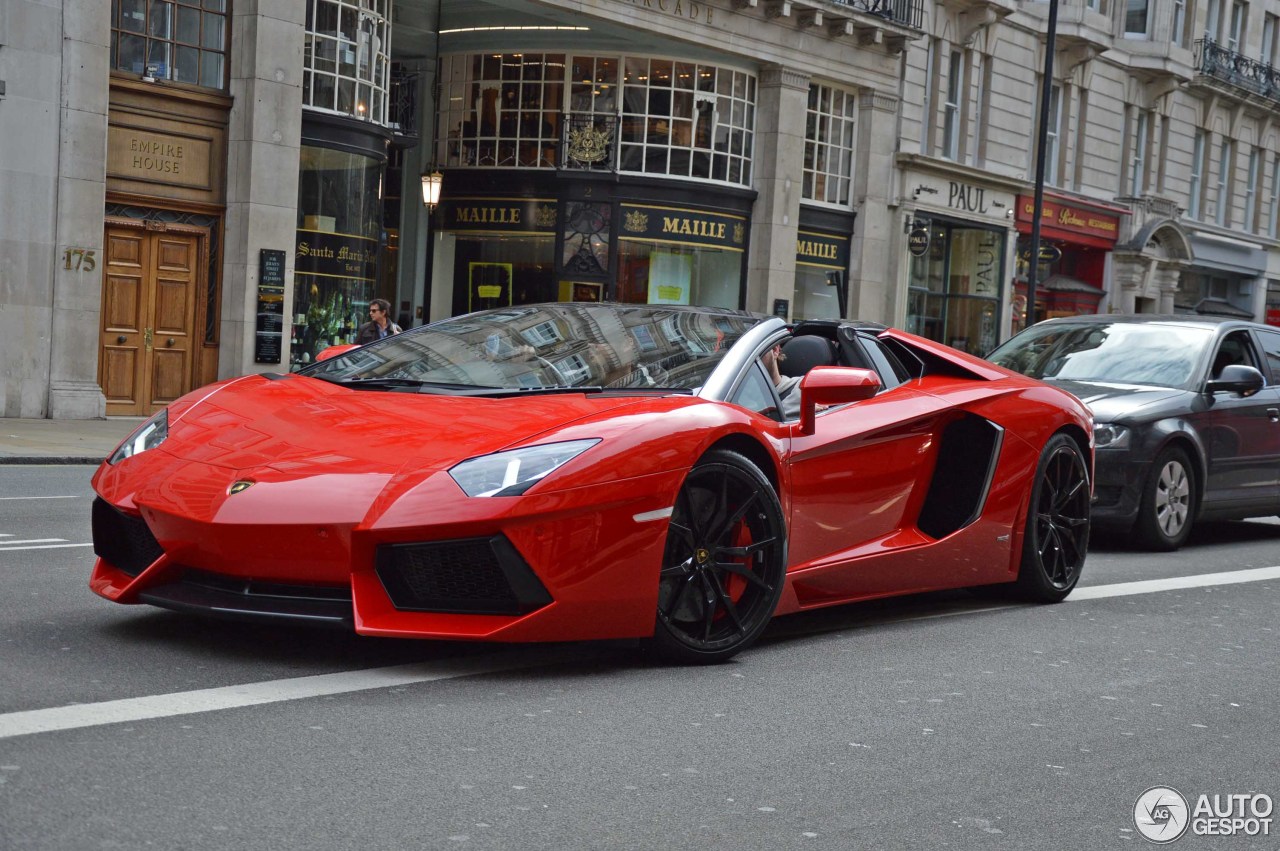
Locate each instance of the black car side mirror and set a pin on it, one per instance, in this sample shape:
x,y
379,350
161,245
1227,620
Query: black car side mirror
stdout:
x,y
1237,378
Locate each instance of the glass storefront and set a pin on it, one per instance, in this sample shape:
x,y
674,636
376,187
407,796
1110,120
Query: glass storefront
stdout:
x,y
956,287
336,262
822,262
344,56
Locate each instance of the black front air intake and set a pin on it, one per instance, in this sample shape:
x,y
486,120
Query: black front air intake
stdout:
x,y
123,540
479,576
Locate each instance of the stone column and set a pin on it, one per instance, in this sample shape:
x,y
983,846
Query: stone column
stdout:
x,y
263,146
81,195
1166,277
783,98
874,291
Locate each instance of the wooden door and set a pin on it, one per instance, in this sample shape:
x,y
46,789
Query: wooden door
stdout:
x,y
150,286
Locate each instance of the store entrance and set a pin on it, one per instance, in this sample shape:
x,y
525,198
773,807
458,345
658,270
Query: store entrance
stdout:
x,y
151,281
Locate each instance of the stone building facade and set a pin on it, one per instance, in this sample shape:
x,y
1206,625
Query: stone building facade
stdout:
x,y
196,189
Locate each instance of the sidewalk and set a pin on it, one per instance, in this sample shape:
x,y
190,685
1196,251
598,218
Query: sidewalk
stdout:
x,y
62,441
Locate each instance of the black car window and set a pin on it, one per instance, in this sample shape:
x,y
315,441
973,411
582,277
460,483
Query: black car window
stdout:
x,y
1235,348
1271,345
756,394
892,372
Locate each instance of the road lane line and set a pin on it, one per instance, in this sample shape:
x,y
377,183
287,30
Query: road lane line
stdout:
x,y
7,544
78,716
41,547
73,496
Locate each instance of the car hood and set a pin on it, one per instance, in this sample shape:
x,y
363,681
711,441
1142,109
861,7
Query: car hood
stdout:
x,y
1111,402
304,426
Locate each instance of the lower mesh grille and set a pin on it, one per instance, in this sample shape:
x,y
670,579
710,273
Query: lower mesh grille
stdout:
x,y
473,576
122,539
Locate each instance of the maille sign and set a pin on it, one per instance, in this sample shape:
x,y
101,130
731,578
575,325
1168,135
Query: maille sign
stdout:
x,y
336,255
1070,222
826,251
498,215
683,227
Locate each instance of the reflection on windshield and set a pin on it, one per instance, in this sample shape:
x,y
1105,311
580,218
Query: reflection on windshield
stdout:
x,y
553,345
1123,353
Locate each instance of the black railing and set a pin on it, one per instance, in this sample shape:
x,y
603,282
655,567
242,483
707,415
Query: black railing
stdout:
x,y
588,142
403,105
908,13
1214,60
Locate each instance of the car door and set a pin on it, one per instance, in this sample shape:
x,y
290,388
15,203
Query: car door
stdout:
x,y
1269,343
1241,435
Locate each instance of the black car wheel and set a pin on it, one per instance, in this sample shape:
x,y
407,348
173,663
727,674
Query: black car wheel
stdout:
x,y
724,564
1057,533
1168,503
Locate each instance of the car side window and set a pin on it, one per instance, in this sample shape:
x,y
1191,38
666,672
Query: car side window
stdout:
x,y
1271,346
756,394
1235,348
892,373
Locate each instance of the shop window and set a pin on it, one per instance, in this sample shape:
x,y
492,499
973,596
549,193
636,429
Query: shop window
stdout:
x,y
346,67
657,116
657,273
828,145
954,290
184,41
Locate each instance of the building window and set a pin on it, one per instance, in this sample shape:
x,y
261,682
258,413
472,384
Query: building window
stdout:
x,y
1273,212
1135,18
1180,28
951,109
956,288
1270,24
1093,5
1223,194
1213,20
681,119
1235,36
1138,162
1251,193
1052,136
345,68
1195,192
185,42
828,145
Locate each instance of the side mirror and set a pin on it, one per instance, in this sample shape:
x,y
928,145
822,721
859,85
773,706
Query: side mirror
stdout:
x,y
833,385
1237,378
334,351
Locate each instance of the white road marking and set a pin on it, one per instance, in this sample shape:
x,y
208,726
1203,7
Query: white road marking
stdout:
x,y
7,544
73,496
42,547
78,716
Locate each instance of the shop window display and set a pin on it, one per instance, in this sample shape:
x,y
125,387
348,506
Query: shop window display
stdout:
x,y
955,288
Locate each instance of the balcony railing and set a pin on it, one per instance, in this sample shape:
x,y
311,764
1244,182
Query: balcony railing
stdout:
x,y
403,103
908,13
1214,60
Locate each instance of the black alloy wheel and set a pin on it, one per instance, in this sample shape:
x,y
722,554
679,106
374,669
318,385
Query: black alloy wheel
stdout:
x,y
1168,505
724,564
1057,534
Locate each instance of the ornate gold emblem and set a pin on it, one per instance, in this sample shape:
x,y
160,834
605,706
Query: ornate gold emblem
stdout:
x,y
636,222
739,233
588,145
546,216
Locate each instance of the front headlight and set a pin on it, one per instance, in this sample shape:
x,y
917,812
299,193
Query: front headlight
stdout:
x,y
1110,436
513,472
149,435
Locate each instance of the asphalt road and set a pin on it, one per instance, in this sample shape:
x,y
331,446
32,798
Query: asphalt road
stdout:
x,y
947,720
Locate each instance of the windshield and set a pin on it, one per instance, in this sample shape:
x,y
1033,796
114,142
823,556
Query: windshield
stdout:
x,y
1123,353
550,346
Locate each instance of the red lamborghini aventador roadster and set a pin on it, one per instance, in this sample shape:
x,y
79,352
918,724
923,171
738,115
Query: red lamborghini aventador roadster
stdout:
x,y
591,471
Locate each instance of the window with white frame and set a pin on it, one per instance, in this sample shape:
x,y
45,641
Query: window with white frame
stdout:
x,y
1251,192
1222,195
185,42
1195,191
828,145
1053,133
1138,162
1213,20
345,65
1135,18
1270,26
1180,28
1093,5
1235,35
951,108
1273,213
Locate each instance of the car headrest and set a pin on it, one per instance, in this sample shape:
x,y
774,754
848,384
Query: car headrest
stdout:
x,y
804,353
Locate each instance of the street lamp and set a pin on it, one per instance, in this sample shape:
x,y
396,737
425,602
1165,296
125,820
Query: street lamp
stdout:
x,y
1033,264
431,185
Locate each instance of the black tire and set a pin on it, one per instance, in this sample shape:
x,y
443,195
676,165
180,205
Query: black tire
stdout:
x,y
1168,505
724,564
1056,540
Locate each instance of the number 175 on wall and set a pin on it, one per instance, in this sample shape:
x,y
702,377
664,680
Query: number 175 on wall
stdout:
x,y
79,259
